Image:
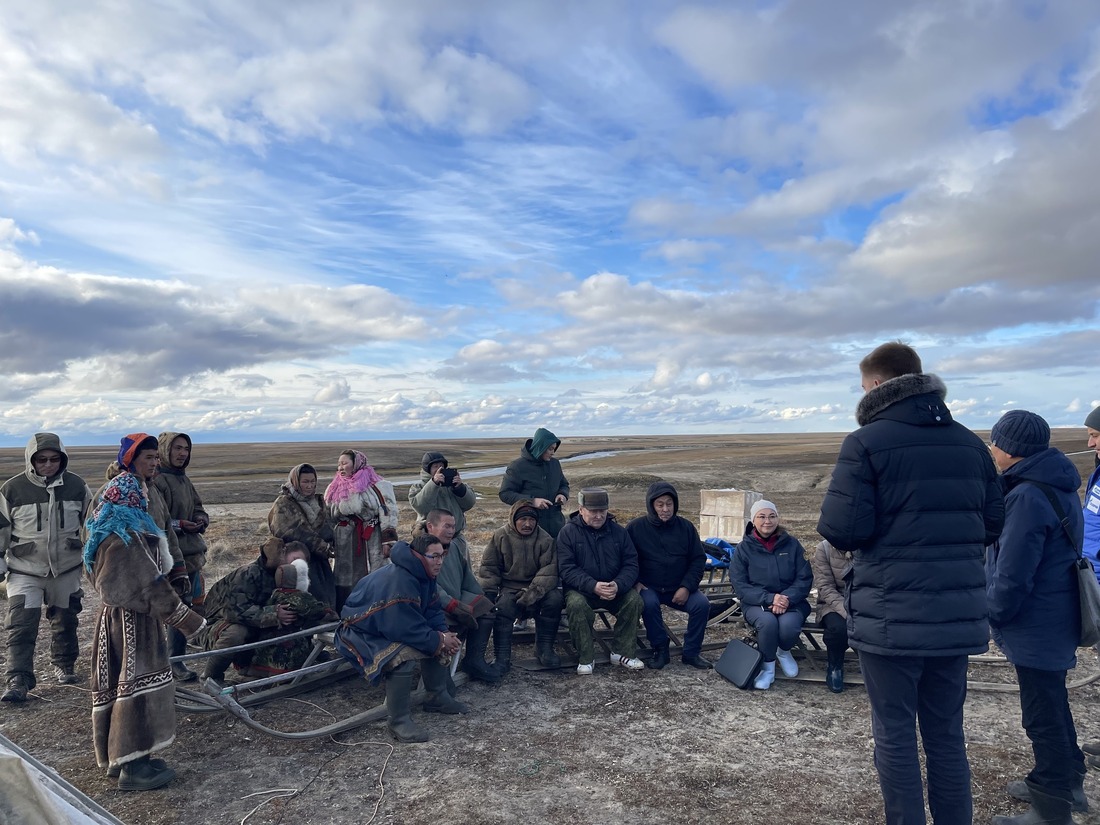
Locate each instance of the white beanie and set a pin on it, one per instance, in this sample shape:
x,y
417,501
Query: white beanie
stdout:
x,y
763,504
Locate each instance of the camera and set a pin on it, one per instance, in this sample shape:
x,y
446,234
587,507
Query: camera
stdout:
x,y
449,474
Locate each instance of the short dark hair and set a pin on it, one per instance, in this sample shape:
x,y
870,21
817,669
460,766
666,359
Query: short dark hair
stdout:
x,y
421,543
307,470
296,547
436,515
890,360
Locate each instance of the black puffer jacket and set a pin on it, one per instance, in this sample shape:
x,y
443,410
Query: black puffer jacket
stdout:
x,y
587,556
531,477
917,499
670,555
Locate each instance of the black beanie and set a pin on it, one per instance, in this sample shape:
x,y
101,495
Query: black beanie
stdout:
x,y
1021,434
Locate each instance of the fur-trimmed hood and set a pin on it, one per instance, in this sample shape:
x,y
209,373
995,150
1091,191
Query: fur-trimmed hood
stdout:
x,y
890,392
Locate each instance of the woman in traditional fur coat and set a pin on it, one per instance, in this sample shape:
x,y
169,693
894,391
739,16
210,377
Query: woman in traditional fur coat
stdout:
x,y
127,559
365,510
300,514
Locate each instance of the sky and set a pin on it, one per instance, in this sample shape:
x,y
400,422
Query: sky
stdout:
x,y
272,220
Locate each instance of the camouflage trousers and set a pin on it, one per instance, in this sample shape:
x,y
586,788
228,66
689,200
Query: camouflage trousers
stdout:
x,y
581,612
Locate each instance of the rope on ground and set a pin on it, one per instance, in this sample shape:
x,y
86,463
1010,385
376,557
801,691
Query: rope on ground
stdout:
x,y
381,773
281,793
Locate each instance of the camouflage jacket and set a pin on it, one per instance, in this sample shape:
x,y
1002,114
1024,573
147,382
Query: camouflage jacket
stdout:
x,y
243,597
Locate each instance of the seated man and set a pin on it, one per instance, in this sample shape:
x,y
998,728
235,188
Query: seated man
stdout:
x,y
392,620
671,562
292,588
238,609
465,607
598,566
519,571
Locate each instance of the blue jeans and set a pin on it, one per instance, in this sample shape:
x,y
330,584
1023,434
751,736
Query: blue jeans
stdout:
x,y
929,691
774,632
1044,706
697,607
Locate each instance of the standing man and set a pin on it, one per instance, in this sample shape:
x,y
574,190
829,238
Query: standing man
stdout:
x,y
441,488
671,562
464,604
189,520
598,566
537,475
1033,609
915,497
41,512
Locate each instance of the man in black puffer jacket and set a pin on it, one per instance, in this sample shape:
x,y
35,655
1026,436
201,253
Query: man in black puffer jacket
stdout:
x,y
670,563
915,497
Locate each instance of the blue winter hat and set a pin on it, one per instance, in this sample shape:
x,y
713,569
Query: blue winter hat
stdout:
x,y
1021,433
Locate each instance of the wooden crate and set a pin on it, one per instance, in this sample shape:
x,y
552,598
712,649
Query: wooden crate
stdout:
x,y
723,513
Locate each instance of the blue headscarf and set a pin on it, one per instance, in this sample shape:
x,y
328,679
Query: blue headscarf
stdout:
x,y
122,507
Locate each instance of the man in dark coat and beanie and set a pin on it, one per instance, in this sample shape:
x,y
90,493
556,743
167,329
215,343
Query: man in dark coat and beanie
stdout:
x,y
1033,608
537,475
391,621
670,563
915,497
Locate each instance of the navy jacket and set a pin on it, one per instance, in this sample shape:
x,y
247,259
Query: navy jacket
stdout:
x,y
394,606
915,497
587,556
670,555
758,575
1032,585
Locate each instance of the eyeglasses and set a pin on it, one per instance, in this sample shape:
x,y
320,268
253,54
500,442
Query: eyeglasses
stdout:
x,y
763,517
436,556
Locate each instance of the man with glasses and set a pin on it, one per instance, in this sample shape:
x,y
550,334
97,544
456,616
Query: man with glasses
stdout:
x,y
41,512
916,499
391,621
465,606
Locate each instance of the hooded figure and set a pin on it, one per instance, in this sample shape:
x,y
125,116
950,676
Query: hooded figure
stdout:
x,y
537,475
133,696
432,492
519,571
41,512
671,560
301,515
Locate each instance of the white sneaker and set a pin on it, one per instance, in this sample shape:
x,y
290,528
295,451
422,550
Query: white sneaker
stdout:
x,y
629,664
585,670
765,677
787,663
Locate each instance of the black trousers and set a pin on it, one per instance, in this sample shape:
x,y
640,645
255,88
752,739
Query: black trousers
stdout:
x,y
1044,711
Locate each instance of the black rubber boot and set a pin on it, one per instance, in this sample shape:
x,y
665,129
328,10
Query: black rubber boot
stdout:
x,y
1019,789
64,647
435,682
180,671
143,775
1046,809
502,644
474,663
22,624
546,631
399,684
660,657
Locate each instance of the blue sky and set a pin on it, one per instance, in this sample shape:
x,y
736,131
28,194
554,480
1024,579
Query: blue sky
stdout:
x,y
272,220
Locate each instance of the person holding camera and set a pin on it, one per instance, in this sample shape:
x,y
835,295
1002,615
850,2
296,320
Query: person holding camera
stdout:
x,y
441,488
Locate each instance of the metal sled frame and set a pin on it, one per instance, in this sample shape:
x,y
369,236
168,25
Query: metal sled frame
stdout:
x,y
236,699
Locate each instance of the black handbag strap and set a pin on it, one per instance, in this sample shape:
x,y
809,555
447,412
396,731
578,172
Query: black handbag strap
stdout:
x,y
1048,491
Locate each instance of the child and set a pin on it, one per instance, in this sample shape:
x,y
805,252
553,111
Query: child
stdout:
x,y
291,590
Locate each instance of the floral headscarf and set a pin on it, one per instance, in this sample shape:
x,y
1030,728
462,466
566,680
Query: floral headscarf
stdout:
x,y
362,477
293,480
122,507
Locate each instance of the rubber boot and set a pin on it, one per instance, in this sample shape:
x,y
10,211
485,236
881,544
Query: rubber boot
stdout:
x,y
399,684
546,631
1018,789
502,644
476,642
660,657
1046,809
180,671
64,647
22,624
435,682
